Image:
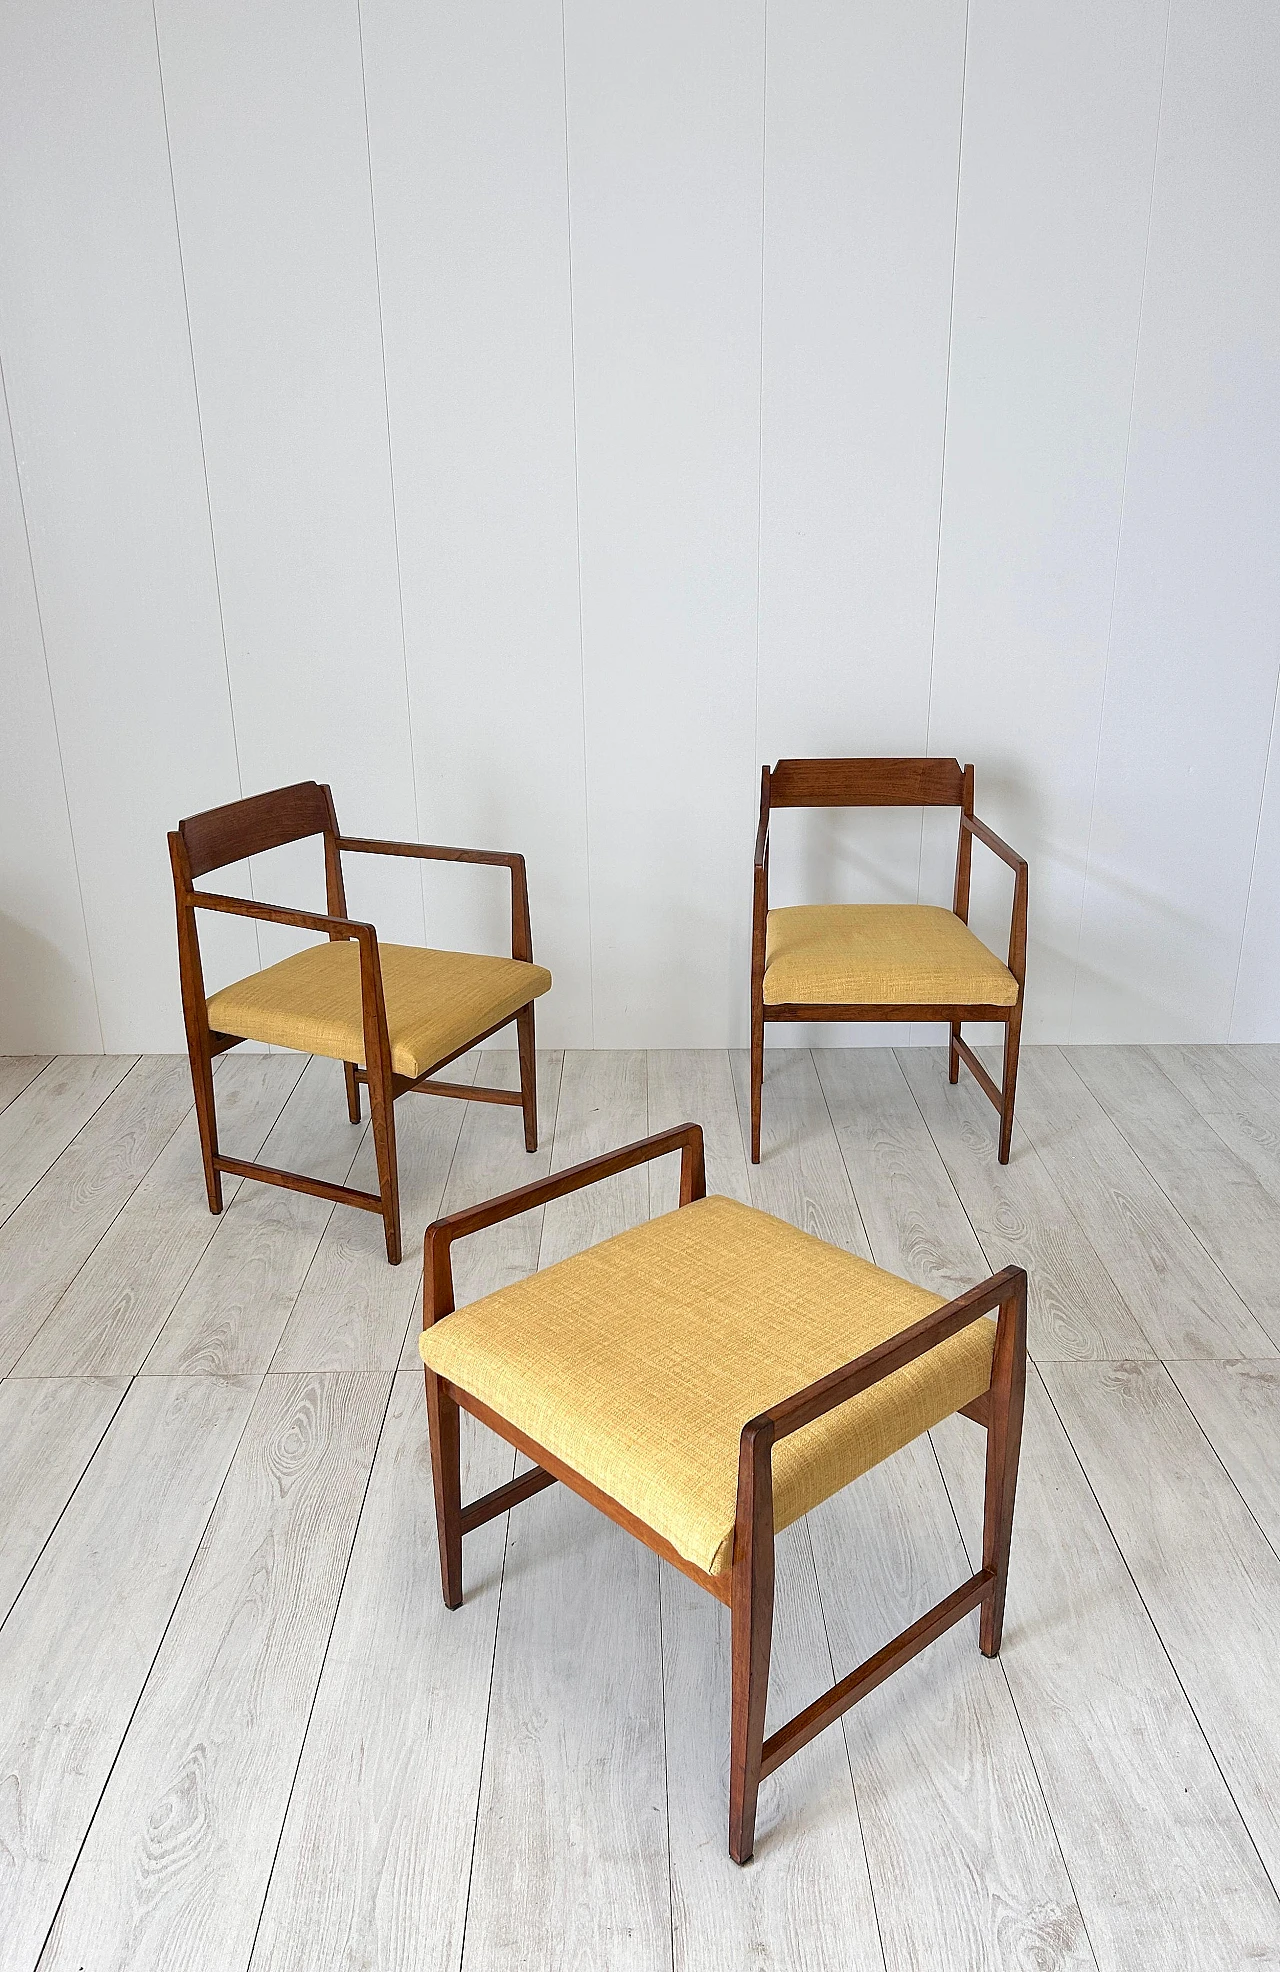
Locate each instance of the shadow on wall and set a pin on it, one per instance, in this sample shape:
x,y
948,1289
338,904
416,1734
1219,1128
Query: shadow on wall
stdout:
x,y
41,993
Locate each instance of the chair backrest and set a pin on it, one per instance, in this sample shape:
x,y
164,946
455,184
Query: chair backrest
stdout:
x,y
877,783
258,823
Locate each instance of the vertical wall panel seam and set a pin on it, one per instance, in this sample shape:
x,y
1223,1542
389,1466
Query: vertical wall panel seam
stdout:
x,y
53,707
764,175
577,529
204,460
391,465
1253,860
946,420
1115,572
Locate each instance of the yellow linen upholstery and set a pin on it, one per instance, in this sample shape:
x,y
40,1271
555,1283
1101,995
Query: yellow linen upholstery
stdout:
x,y
436,1002
880,955
638,1362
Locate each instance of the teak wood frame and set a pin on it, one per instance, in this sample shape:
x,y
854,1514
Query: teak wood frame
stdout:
x,y
910,783
267,821
748,1586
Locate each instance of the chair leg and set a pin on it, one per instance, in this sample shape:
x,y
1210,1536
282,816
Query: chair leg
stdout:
x,y
1004,1441
1012,1037
353,1091
207,1120
757,1076
446,1475
528,1075
382,1115
752,1632
953,1056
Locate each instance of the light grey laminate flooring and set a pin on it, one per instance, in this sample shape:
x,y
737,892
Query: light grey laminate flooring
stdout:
x,y
238,1729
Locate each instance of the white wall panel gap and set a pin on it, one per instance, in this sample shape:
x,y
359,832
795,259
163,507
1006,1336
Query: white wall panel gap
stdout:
x,y
1192,675
47,996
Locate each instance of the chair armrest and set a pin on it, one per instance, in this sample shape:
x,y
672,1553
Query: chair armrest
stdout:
x,y
781,1419
246,907
1017,960
434,852
437,1294
762,843
994,842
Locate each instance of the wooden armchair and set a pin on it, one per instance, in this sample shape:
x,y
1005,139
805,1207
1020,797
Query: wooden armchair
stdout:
x,y
392,1014
706,1379
886,961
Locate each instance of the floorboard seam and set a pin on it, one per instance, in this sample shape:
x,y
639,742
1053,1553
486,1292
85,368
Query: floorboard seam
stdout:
x,y
1155,1630
18,1203
145,1682
1221,1272
328,1643
98,1443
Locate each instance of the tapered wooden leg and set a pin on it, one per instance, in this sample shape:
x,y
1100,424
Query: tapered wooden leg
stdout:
x,y
1012,1036
752,1637
1004,1440
207,1119
757,1076
446,1474
382,1115
353,1091
953,1057
528,1075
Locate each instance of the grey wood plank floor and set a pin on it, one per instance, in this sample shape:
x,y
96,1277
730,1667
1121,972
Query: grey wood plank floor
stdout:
x,y
239,1730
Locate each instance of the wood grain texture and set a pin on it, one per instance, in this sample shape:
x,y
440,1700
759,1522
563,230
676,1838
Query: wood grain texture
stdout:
x,y
801,1176
78,1645
1202,1566
1214,1191
571,1857
964,1862
916,1225
118,1302
49,1431
603,1104
55,1229
375,1858
17,1071
1237,1406
491,1159
175,1867
37,1126
1023,1219
232,1312
1159,1858
1237,1090
353,1310
695,1085
1175,1291
806,1898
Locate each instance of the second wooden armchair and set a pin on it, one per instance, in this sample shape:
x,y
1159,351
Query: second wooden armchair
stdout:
x,y
886,961
392,1014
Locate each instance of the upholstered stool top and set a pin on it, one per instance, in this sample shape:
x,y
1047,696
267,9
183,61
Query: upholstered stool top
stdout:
x,y
436,1002
638,1362
879,955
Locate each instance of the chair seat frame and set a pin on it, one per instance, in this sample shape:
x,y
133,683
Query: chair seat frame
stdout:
x,y
891,783
266,821
748,1586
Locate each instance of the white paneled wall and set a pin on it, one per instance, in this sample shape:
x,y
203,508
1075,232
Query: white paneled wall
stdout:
x,y
529,418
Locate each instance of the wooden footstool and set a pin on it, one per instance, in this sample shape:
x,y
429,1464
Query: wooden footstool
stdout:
x,y
704,1380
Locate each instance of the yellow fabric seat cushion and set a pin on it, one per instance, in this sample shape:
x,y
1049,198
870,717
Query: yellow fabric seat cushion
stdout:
x,y
880,955
436,1002
638,1362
